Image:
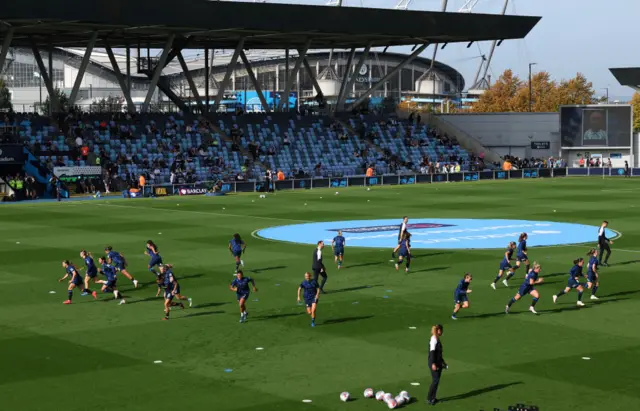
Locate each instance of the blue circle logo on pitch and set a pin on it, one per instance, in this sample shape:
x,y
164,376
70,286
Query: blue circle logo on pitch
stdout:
x,y
437,233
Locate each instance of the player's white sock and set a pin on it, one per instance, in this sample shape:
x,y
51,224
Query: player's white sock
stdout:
x,y
135,283
242,263
115,293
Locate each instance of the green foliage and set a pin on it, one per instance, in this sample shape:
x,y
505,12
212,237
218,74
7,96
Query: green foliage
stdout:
x,y
5,96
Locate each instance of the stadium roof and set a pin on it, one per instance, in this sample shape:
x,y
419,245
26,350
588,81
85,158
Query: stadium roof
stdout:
x,y
218,24
628,76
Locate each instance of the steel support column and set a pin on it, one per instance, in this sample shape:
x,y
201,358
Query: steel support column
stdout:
x,y
128,62
158,72
83,68
6,42
302,53
345,79
352,79
389,75
313,77
227,75
44,75
116,71
206,80
254,81
192,84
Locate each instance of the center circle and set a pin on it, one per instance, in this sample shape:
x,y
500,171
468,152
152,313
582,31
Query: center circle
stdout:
x,y
437,233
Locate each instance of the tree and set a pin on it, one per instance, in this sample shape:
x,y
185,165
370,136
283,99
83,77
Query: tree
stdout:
x,y
5,96
63,102
108,104
510,94
635,102
499,97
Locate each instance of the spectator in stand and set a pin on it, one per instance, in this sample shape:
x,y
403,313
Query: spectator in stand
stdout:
x,y
370,171
79,141
280,175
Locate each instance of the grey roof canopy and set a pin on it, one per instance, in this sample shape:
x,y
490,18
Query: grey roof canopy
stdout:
x,y
627,76
220,24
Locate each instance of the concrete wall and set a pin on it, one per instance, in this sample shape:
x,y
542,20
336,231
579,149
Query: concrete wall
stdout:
x,y
511,133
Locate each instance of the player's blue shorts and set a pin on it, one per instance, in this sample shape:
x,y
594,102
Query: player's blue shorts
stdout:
x,y
504,265
168,295
92,272
592,277
111,284
459,298
236,253
525,289
573,283
243,296
119,265
155,260
523,257
77,281
403,252
310,301
338,251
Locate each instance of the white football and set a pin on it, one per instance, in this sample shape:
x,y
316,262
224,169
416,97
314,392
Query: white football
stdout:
x,y
400,399
345,396
387,397
368,189
368,393
337,193
380,395
405,395
392,404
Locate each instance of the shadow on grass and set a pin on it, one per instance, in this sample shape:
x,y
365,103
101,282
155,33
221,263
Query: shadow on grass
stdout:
x,y
426,270
200,314
480,391
276,316
345,319
360,287
259,270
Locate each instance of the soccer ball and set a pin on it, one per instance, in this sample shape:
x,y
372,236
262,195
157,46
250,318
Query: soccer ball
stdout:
x,y
345,396
368,188
263,196
337,193
392,404
400,399
380,395
387,397
405,395
368,393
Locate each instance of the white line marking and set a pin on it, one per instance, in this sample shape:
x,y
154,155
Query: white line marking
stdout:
x,y
586,358
413,328
259,349
415,383
157,362
306,401
207,213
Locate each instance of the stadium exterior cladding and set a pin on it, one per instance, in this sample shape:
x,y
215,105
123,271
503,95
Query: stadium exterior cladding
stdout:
x,y
219,24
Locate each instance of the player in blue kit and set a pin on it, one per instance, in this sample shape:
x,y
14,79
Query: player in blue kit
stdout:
x,y
171,290
404,251
237,247
460,297
241,287
156,260
593,279
110,284
575,274
528,287
92,271
166,270
337,245
505,265
311,295
74,282
117,260
521,254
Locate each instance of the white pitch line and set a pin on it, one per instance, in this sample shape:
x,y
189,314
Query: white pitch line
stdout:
x,y
205,213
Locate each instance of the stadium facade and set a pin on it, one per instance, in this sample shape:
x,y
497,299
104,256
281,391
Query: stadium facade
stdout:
x,y
420,79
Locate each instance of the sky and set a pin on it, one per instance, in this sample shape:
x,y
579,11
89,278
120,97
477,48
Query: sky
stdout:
x,y
586,36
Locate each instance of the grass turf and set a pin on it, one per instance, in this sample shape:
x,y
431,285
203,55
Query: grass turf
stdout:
x,y
100,355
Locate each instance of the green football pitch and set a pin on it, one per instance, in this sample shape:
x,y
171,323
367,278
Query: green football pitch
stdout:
x,y
103,356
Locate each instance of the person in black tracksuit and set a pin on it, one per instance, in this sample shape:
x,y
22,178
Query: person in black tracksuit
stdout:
x,y
318,267
603,243
436,362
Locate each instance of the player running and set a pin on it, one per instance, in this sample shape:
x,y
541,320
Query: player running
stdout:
x,y
117,260
171,289
237,247
74,282
460,296
505,265
401,232
528,287
404,252
166,272
153,252
521,255
574,282
92,270
337,245
593,281
311,295
110,284
241,287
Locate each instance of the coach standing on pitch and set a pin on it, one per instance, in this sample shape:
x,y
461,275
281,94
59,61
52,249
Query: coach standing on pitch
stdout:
x,y
436,362
318,266
603,243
